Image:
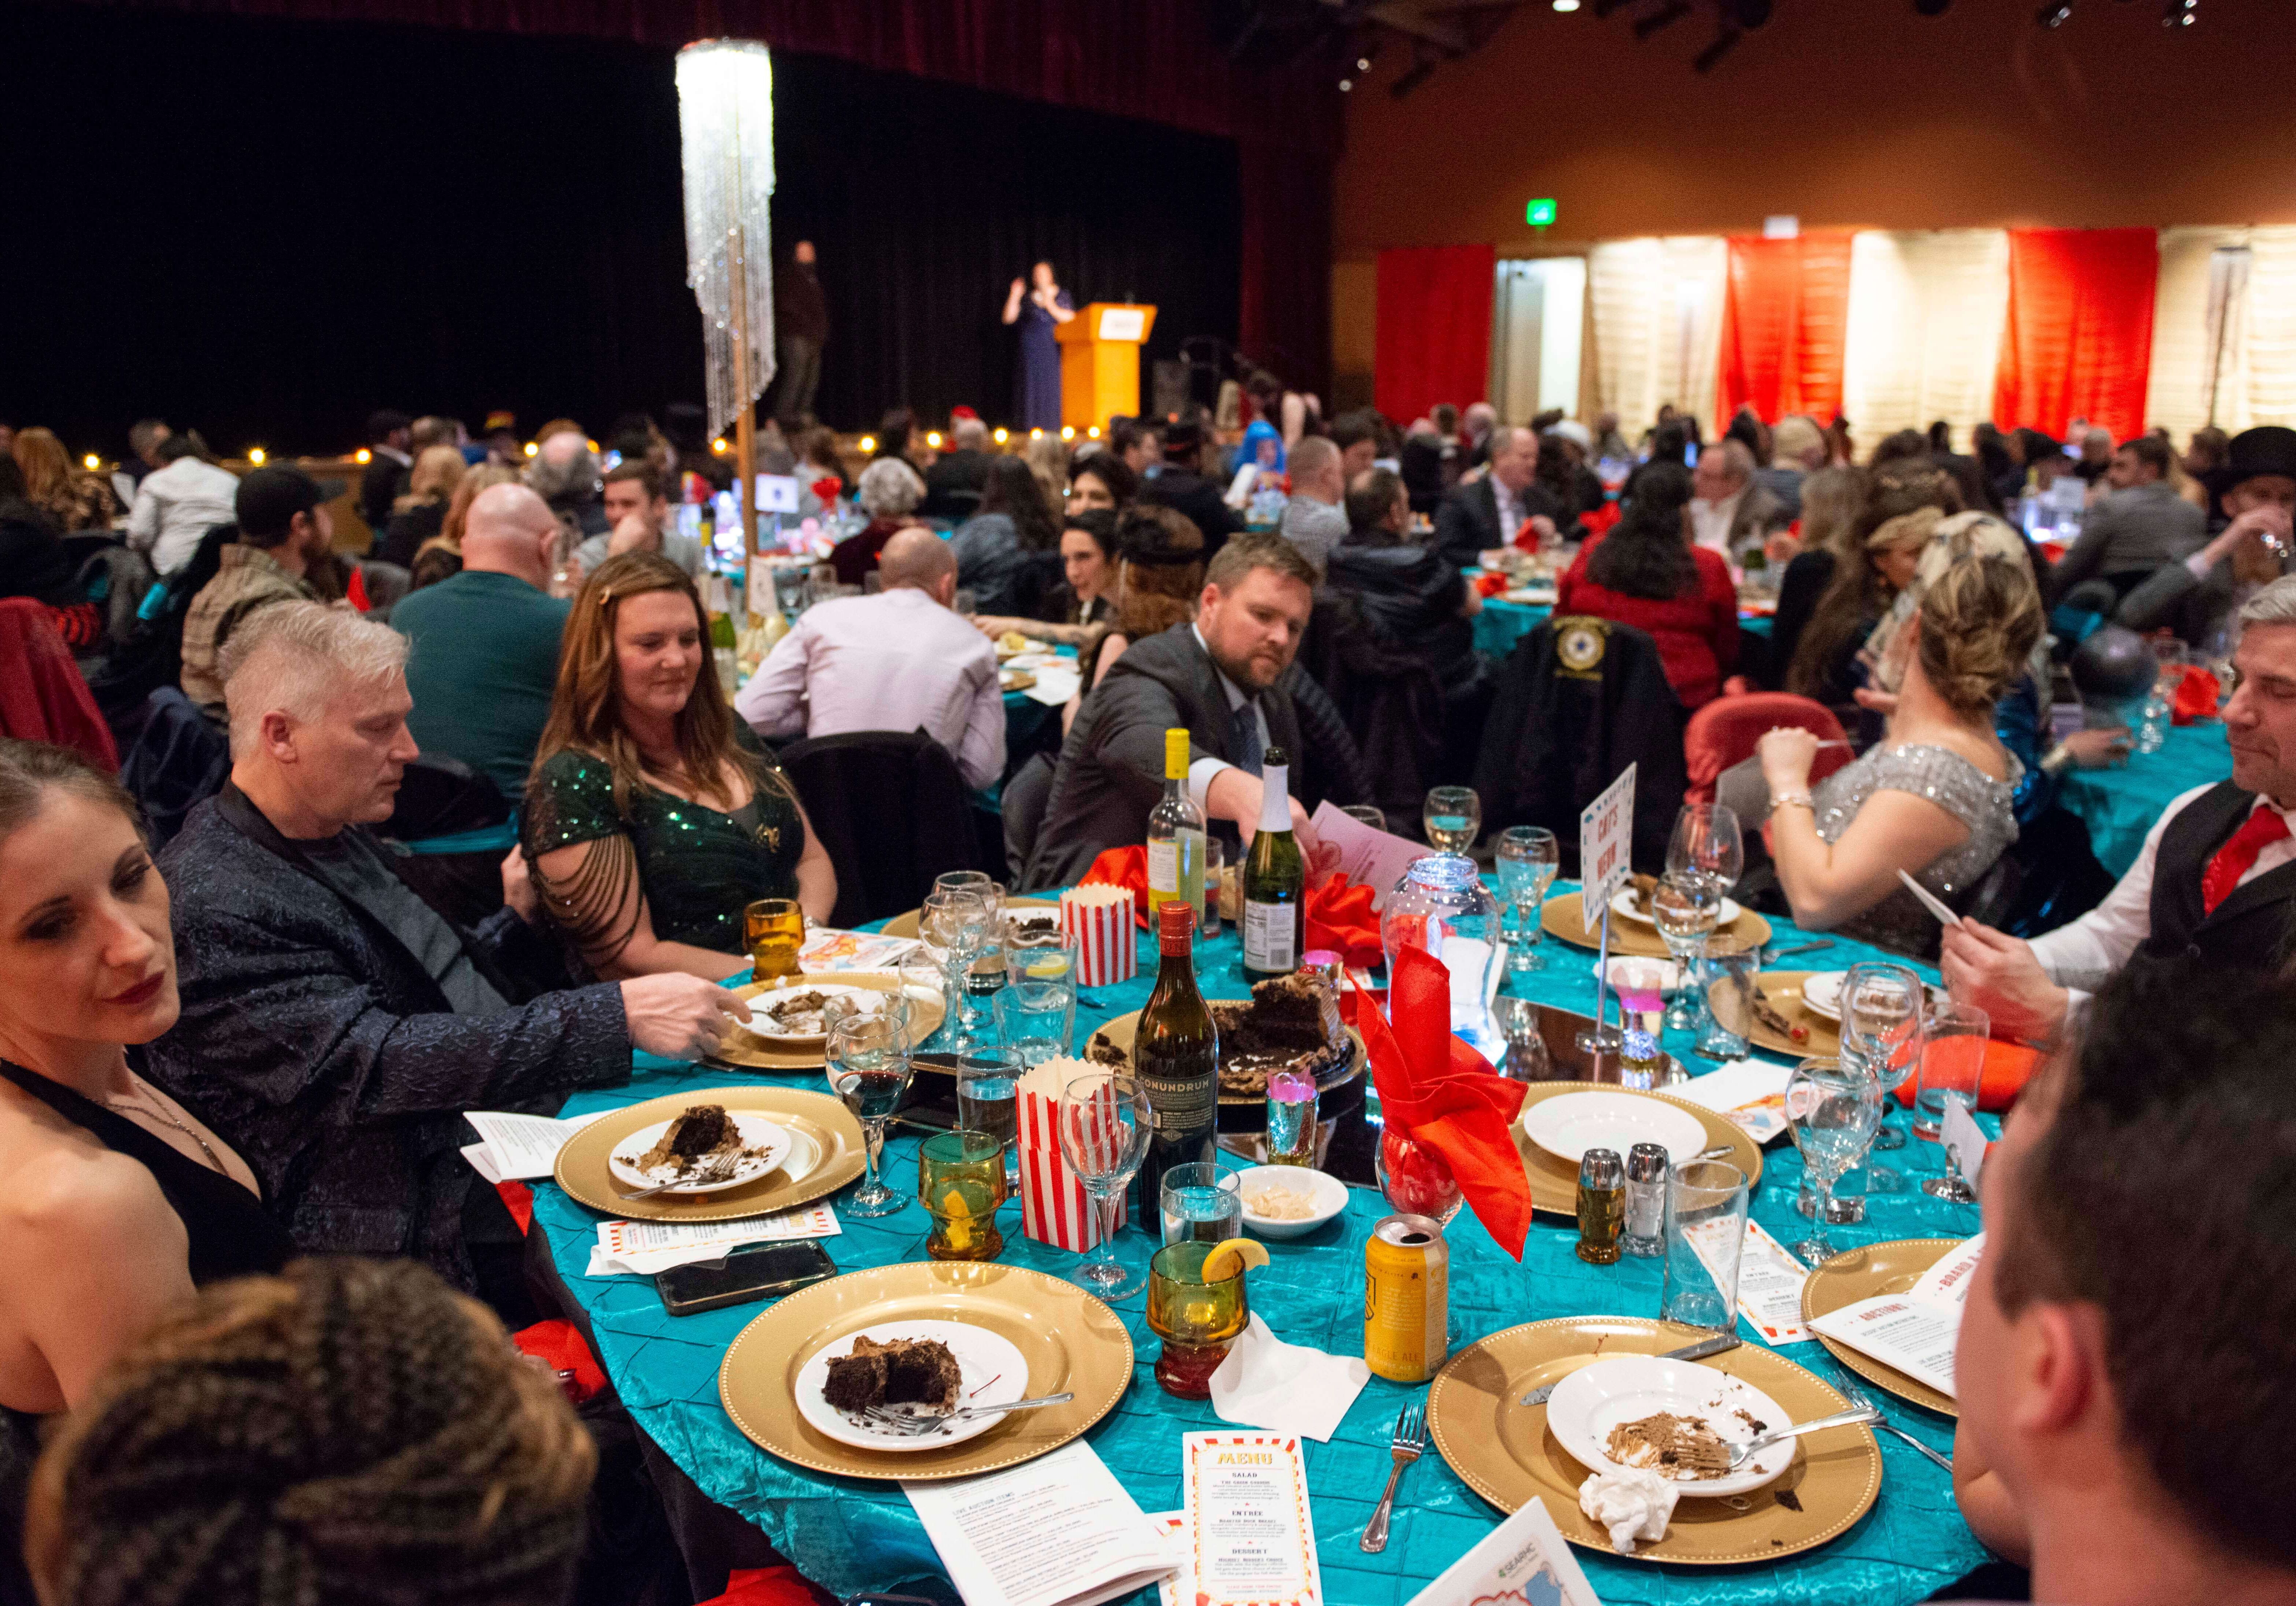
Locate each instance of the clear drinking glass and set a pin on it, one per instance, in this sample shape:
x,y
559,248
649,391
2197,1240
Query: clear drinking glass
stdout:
x,y
1881,1009
1705,1232
1527,1056
1833,1108
1707,841
1105,1121
869,1069
1953,1071
1454,818
988,1089
1199,1201
1036,1016
1527,857
1730,961
1208,918
1685,908
1370,814
954,921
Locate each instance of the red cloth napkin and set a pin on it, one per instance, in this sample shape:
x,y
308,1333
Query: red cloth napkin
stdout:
x,y
1339,917
1490,584
1444,1096
1123,867
1597,522
558,1345
829,488
355,592
2008,1067
2196,696
768,1586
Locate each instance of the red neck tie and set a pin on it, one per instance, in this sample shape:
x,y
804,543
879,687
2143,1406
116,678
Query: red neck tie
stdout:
x,y
2238,855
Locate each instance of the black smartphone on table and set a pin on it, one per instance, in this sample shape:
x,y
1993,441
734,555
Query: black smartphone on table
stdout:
x,y
755,1272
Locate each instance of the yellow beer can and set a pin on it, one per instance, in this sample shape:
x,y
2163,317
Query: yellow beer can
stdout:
x,y
1406,1299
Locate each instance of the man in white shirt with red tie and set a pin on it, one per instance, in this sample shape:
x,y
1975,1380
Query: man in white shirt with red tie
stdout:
x,y
2217,876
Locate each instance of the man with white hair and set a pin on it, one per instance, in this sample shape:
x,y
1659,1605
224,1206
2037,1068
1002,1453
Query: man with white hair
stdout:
x,y
1729,514
899,661
334,1026
1796,451
954,483
1489,513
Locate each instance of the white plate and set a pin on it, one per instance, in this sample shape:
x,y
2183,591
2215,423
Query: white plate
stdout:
x,y
777,1142
1329,1193
1590,1402
1623,904
1820,991
761,1025
1569,1123
992,1372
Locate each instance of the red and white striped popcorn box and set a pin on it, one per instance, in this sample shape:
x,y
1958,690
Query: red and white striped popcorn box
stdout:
x,y
1054,1207
1099,919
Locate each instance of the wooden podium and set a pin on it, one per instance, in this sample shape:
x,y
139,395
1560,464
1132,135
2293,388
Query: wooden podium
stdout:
x,y
1100,362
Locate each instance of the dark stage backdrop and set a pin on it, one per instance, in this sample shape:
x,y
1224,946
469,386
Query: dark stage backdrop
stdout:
x,y
265,229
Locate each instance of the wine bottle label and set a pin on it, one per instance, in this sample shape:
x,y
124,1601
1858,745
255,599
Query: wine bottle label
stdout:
x,y
1269,934
1164,867
1181,1098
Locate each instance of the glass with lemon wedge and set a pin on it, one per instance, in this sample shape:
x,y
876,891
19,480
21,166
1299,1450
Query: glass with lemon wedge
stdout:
x,y
960,1182
1196,1305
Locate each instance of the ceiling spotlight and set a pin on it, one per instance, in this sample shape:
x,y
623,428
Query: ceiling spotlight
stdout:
x,y
2179,14
1667,14
1346,85
1723,42
1363,63
1932,8
2054,13
1566,6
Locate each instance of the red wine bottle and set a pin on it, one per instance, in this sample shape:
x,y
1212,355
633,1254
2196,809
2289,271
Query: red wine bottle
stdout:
x,y
1176,1055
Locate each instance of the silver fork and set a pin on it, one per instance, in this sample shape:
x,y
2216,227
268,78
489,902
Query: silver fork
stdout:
x,y
1859,1399
916,1426
1410,1438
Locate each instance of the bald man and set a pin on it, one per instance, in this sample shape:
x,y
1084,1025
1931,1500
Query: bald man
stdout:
x,y
485,653
899,661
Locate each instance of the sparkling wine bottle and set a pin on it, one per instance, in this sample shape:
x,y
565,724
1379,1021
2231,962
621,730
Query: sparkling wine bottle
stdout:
x,y
1275,880
1175,834
1176,1055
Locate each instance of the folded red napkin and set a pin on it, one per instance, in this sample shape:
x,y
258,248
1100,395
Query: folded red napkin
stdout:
x,y
1443,1095
1491,583
2196,696
1123,867
829,488
1598,520
1339,917
2008,1067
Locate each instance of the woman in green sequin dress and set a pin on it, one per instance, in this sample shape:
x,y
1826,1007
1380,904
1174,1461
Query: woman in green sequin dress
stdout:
x,y
650,821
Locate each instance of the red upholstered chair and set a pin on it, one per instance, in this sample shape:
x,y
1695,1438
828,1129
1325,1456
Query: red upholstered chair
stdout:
x,y
1725,730
43,695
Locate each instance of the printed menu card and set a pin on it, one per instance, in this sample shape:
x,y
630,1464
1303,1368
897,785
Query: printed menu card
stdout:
x,y
1245,1531
1913,1332
1523,1562
1057,1531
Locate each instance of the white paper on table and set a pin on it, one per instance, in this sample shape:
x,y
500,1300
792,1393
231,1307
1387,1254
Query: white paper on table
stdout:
x,y
519,1147
1172,1588
1368,856
1769,1287
826,950
1285,1388
1056,683
1964,1141
642,1247
1749,1093
1250,1536
1914,1332
1058,1531
1525,1550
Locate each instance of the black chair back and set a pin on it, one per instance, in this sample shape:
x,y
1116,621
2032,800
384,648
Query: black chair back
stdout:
x,y
178,759
891,811
443,797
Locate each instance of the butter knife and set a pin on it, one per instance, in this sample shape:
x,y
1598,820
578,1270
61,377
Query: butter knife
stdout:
x,y
1717,1345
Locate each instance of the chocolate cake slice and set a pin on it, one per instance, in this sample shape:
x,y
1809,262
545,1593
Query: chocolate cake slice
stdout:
x,y
1291,1023
906,1372
855,1380
698,1132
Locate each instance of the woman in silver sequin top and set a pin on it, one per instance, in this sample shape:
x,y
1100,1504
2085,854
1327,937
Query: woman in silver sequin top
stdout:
x,y
1933,799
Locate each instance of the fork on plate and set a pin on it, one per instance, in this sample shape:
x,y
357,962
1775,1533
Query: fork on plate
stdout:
x,y
1410,1440
1859,1400
916,1425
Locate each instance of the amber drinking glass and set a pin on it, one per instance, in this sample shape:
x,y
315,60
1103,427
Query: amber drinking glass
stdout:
x,y
960,1182
1197,1320
775,930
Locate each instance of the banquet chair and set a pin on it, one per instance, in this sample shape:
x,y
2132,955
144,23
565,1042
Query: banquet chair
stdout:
x,y
1389,697
179,758
1726,731
891,811
43,697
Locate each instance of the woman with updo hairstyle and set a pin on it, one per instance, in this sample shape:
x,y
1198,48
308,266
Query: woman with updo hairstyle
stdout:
x,y
1877,557
1160,574
1935,798
349,1430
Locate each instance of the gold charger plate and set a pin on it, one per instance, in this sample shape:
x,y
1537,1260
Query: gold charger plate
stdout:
x,y
1867,1273
1554,1181
1502,1450
581,1168
1071,1341
1782,988
905,925
750,1052
1121,1030
1560,918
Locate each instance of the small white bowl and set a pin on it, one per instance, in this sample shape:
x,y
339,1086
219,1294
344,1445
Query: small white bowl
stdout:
x,y
1329,1193
1668,972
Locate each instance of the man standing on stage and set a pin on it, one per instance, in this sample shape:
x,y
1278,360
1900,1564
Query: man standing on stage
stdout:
x,y
801,330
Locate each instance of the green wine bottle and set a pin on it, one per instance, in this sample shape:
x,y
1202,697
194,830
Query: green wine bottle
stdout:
x,y
1275,880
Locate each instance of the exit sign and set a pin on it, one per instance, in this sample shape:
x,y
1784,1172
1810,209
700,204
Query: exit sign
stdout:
x,y
1539,214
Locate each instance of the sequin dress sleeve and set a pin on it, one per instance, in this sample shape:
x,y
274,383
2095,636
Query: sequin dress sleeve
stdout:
x,y
571,801
1951,782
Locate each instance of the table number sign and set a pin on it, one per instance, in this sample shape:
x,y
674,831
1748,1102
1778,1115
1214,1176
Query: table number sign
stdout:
x,y
1249,1538
1606,831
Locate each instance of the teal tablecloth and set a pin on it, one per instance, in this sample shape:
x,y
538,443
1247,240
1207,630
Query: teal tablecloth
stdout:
x,y
1501,624
2120,805
848,1534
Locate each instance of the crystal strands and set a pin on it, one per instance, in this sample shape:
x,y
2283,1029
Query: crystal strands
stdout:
x,y
725,137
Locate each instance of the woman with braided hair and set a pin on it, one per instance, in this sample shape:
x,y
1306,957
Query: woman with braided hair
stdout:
x,y
349,1430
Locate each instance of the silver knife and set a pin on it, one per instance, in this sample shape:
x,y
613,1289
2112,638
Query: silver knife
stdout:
x,y
1717,1345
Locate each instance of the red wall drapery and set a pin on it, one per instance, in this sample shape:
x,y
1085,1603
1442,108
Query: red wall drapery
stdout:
x,y
1785,323
1434,336
2079,339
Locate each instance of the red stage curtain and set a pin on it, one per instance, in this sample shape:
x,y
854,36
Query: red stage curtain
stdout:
x,y
1785,323
1434,337
2079,342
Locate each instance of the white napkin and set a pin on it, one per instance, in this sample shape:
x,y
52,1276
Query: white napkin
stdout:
x,y
1749,1093
1285,1388
1632,1504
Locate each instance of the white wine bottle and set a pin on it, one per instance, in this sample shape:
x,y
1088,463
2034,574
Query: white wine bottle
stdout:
x,y
1175,834
1275,880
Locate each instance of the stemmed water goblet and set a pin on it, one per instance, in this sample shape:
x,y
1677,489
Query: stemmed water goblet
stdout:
x,y
1685,908
1453,816
1104,1124
1882,1007
954,921
1832,1108
1528,858
1706,841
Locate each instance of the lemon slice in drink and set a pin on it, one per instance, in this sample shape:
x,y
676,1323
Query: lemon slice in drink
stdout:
x,y
1232,1257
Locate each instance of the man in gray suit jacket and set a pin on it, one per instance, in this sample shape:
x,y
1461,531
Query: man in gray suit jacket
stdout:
x,y
2137,527
1229,679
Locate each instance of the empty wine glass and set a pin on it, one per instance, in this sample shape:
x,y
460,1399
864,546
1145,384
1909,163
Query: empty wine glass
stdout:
x,y
1685,908
1832,1108
1105,1121
1454,818
1881,1009
955,920
1707,841
869,1069
1528,858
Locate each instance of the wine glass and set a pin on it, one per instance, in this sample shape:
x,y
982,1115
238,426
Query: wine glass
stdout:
x,y
1952,1072
1881,1009
955,920
1685,908
1528,859
869,1069
1832,1108
1454,818
1707,841
1105,1121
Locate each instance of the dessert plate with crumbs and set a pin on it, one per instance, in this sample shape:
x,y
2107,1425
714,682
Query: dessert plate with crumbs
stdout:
x,y
1674,1418
927,1368
704,1149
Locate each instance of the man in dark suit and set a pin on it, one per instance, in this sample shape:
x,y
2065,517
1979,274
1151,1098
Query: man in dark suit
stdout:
x,y
1486,512
389,435
2198,596
953,484
1230,680
334,1026
1183,489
